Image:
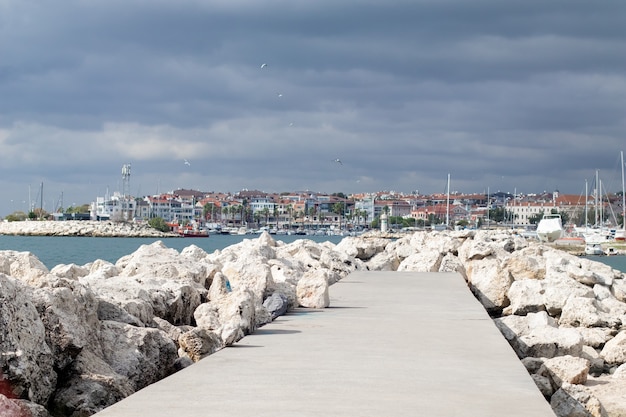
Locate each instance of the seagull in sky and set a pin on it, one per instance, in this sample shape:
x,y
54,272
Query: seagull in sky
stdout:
x,y
279,95
263,65
187,163
338,161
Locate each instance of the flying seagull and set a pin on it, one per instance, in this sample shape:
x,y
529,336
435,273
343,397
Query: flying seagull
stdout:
x,y
338,161
279,95
263,65
187,163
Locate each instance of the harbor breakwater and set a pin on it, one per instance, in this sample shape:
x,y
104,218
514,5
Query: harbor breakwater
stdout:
x,y
78,338
81,228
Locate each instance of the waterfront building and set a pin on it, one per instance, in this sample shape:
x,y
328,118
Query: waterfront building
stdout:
x,y
116,207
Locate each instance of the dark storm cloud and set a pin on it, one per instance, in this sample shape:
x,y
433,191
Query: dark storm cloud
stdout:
x,y
525,95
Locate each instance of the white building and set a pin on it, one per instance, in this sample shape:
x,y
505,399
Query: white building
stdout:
x,y
116,207
522,213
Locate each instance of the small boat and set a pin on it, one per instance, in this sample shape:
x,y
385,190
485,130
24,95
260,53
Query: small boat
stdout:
x,y
192,232
593,249
550,228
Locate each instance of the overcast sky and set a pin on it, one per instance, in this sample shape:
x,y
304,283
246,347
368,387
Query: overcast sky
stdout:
x,y
519,96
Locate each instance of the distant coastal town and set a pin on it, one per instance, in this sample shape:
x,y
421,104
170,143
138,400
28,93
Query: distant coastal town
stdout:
x,y
306,209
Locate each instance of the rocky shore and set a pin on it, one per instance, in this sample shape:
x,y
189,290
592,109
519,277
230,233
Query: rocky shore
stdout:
x,y
80,228
78,338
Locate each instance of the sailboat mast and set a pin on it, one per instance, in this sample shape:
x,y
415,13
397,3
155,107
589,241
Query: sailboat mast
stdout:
x,y
448,205
623,194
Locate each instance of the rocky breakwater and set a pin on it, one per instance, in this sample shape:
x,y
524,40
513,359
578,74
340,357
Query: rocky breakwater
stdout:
x,y
76,339
80,228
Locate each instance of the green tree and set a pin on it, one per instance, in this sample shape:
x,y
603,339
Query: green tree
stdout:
x,y
535,218
17,216
159,223
208,210
499,215
338,209
266,214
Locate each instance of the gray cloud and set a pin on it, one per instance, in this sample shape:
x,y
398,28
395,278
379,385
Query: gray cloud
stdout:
x,y
525,96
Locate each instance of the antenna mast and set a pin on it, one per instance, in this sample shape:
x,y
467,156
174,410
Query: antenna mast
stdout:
x,y
126,192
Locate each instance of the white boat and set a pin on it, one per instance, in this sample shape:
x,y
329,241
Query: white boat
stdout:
x,y
593,249
550,228
596,236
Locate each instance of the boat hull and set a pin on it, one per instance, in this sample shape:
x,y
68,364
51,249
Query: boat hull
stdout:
x,y
550,229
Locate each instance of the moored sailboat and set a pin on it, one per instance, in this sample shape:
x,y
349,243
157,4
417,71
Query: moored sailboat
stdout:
x,y
620,235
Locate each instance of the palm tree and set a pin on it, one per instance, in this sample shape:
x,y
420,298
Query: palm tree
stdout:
x,y
266,214
257,218
337,209
207,211
289,213
275,214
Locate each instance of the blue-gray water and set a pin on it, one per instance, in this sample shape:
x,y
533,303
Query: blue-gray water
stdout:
x,y
55,250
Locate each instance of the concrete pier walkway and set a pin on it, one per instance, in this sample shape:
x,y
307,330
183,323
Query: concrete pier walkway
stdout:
x,y
391,344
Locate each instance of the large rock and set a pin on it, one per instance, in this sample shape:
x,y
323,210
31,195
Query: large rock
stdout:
x,y
69,312
489,282
143,355
576,401
89,385
27,360
312,290
614,351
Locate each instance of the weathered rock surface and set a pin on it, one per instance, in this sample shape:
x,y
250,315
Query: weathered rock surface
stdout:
x,y
80,228
78,338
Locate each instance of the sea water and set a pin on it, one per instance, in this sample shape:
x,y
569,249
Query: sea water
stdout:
x,y
55,250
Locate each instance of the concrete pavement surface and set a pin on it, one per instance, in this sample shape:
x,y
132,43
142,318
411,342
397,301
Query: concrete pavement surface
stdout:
x,y
391,344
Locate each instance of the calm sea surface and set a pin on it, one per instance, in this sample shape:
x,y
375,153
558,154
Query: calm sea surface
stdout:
x,y
55,250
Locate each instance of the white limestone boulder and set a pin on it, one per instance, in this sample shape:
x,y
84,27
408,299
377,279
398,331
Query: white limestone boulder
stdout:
x,y
614,351
559,288
27,360
312,290
158,261
526,264
538,335
231,316
573,400
383,261
199,343
69,312
362,248
549,342
525,296
103,269
90,385
610,393
452,263
489,282
587,312
70,271
618,289
425,261
143,355
153,281
565,369
22,265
